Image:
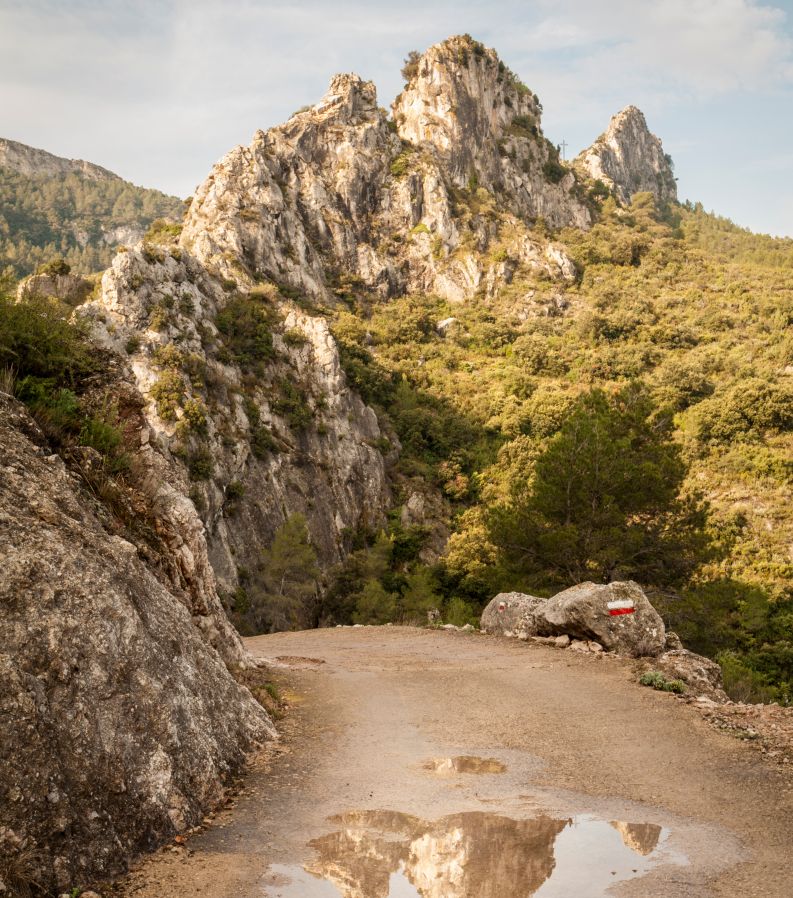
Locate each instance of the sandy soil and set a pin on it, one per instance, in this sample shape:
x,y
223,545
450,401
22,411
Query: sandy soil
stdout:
x,y
590,785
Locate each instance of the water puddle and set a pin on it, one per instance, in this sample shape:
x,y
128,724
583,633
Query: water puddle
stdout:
x,y
464,764
387,854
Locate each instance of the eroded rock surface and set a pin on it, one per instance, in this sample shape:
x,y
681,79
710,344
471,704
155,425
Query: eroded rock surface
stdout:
x,y
628,158
120,723
582,612
512,614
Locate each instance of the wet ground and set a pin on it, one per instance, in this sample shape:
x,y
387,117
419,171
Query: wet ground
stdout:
x,y
447,765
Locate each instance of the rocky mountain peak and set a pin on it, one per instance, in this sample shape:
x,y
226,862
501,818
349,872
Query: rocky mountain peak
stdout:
x,y
460,98
483,125
629,158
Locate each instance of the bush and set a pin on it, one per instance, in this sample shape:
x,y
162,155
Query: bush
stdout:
x,y
167,393
657,680
200,464
411,66
246,325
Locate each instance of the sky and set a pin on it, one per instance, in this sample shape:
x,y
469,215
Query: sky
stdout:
x,y
158,90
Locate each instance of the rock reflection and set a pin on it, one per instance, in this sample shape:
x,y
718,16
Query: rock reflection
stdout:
x,y
468,854
465,764
639,837
388,854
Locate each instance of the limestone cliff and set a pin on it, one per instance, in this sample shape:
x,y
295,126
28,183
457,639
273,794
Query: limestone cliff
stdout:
x,y
482,125
256,432
629,159
120,722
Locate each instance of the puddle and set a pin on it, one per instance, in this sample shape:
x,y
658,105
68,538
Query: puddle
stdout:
x,y
464,764
387,854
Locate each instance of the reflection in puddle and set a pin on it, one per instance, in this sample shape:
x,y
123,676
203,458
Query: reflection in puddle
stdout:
x,y
387,854
464,764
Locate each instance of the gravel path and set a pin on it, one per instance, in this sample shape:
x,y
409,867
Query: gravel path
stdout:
x,y
574,783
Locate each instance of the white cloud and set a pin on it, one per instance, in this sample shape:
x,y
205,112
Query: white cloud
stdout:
x,y
158,89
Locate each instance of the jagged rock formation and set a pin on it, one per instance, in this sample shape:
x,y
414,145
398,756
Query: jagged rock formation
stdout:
x,y
335,200
481,123
338,192
39,163
120,721
289,435
629,159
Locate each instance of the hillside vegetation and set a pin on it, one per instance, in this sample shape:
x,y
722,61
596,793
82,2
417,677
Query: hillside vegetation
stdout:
x,y
674,348
78,218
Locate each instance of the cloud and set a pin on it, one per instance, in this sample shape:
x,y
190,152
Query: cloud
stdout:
x,y
159,89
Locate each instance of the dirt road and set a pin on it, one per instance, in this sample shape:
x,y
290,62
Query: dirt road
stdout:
x,y
453,765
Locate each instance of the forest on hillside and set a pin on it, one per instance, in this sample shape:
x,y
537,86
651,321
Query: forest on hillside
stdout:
x,y
637,425
80,219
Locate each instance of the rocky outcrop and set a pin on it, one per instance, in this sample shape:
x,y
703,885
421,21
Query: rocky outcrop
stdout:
x,y
36,163
266,428
120,721
628,158
65,287
339,197
482,125
582,613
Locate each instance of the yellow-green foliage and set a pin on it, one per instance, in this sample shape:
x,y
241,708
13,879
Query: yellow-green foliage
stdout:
x,y
695,308
46,216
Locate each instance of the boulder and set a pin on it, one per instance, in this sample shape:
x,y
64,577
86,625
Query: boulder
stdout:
x,y
701,675
582,612
511,614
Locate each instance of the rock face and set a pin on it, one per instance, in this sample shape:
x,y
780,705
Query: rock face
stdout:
x,y
32,162
339,195
581,613
69,288
629,159
120,721
482,124
279,435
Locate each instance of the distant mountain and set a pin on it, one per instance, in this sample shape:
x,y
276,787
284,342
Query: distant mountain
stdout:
x,y
51,206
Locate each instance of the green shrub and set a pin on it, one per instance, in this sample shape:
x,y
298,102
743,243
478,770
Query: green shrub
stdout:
x,y
167,393
292,404
400,165
246,326
200,464
657,680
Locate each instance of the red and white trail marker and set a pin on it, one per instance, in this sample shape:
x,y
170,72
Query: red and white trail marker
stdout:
x,y
621,606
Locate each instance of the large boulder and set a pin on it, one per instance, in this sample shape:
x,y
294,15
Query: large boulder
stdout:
x,y
630,627
511,614
583,612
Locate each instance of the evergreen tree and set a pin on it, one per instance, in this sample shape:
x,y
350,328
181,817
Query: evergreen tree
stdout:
x,y
602,500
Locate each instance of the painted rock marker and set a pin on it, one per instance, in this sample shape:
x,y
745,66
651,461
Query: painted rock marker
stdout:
x,y
621,606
